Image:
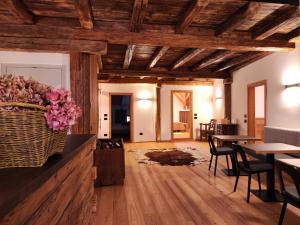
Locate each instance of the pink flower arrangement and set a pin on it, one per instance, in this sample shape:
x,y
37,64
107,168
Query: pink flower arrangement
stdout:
x,y
62,112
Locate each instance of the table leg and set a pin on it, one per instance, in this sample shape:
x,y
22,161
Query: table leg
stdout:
x,y
269,195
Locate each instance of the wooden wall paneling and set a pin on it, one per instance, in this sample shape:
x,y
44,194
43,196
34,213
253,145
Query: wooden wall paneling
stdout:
x,y
57,200
84,12
84,88
94,111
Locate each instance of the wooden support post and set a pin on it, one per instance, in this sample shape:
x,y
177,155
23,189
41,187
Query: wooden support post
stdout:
x,y
158,102
227,97
84,91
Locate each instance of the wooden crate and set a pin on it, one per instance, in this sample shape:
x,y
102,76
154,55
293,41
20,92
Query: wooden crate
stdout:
x,y
110,162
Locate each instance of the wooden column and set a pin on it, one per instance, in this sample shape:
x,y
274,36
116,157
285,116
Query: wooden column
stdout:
x,y
227,97
84,91
158,102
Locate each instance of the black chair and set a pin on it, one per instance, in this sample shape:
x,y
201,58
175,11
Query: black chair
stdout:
x,y
249,167
218,152
290,194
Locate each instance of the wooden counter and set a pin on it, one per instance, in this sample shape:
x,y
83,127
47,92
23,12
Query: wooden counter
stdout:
x,y
60,192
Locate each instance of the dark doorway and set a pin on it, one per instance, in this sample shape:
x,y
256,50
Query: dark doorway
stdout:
x,y
121,117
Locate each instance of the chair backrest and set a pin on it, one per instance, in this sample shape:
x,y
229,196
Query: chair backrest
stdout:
x,y
240,151
212,124
293,173
212,146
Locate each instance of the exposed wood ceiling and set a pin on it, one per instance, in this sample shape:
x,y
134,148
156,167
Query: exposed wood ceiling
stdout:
x,y
154,39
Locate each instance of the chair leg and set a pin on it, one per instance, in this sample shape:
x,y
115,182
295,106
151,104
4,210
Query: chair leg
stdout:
x,y
216,163
211,158
249,188
236,180
283,209
227,164
259,183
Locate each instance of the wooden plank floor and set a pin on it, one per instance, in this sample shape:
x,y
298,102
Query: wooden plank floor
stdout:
x,y
183,195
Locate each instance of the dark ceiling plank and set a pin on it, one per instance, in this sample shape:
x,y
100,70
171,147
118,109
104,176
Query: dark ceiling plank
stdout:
x,y
194,9
246,13
83,8
120,35
211,59
259,56
185,58
19,10
160,51
291,16
128,56
138,14
165,73
52,45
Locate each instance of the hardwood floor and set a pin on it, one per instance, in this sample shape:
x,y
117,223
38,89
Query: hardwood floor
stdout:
x,y
183,195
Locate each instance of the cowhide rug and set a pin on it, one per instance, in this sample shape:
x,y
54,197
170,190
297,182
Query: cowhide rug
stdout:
x,y
170,156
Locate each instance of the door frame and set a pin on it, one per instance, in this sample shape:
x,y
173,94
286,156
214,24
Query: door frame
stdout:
x,y
131,112
251,105
191,116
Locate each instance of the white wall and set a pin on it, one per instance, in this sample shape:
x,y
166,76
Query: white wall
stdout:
x,y
143,110
202,105
283,105
260,102
33,58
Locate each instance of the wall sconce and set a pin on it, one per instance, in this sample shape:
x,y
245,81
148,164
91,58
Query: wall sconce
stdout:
x,y
292,85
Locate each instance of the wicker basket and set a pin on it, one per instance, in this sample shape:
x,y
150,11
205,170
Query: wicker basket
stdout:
x,y
25,139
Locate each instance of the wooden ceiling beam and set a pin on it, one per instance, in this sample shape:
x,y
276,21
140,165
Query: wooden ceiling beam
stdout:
x,y
160,51
259,56
245,13
128,56
100,63
194,9
138,14
119,35
19,10
84,11
286,2
211,59
165,74
285,19
294,35
52,45
186,57
236,61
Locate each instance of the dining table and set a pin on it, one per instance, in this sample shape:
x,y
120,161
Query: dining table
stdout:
x,y
234,139
270,150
